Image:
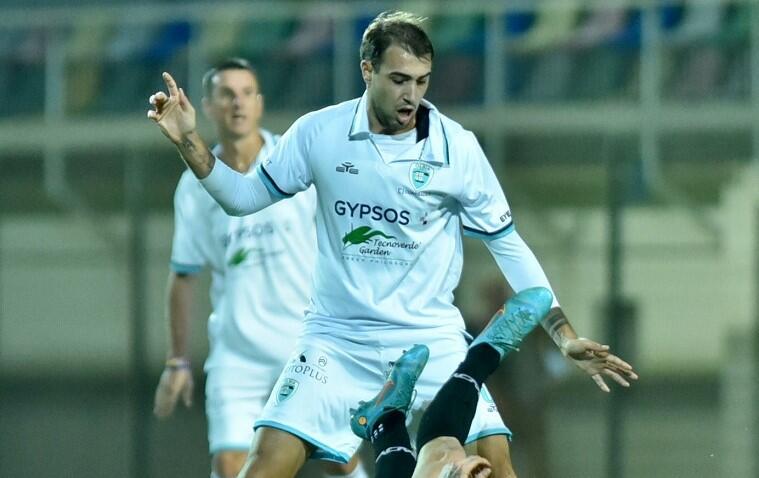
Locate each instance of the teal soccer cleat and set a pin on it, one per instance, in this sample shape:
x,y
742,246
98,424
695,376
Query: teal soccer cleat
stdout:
x,y
396,395
510,325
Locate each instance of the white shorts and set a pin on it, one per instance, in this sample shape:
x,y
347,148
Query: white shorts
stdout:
x,y
327,376
235,397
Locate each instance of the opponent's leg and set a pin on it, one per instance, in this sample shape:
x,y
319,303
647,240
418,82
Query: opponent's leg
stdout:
x,y
437,454
382,420
451,412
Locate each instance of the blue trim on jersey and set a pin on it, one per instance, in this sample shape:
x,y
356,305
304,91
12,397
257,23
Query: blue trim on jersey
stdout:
x,y
445,142
190,269
321,451
353,121
229,447
489,236
487,433
274,190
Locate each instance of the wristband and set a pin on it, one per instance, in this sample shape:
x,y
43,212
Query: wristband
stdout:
x,y
177,363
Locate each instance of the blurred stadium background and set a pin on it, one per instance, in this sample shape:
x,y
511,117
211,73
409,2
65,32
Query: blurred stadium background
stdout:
x,y
626,136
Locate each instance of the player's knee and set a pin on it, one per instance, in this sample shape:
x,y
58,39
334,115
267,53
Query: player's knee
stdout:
x,y
442,449
446,444
495,449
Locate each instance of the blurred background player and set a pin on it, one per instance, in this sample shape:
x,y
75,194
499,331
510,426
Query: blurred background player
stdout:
x,y
371,160
261,277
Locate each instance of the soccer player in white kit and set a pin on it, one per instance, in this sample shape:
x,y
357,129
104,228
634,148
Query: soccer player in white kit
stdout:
x,y
261,277
397,184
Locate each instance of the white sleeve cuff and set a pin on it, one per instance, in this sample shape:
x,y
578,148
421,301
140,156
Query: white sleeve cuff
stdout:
x,y
518,264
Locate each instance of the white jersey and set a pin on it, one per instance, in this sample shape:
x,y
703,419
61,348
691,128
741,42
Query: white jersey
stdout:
x,y
389,225
261,268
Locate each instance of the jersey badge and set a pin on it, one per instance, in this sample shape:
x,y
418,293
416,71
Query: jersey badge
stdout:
x,y
420,174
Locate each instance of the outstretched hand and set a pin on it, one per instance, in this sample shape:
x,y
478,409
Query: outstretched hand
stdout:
x,y
174,113
596,360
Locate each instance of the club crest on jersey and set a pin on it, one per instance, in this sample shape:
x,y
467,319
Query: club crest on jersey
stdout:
x,y
287,390
420,174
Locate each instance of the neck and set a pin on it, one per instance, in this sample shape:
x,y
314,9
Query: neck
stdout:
x,y
240,153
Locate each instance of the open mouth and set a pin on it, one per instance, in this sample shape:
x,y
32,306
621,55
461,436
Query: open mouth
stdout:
x,y
405,114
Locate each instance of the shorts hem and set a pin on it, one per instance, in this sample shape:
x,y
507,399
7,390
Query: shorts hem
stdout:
x,y
486,433
229,447
321,451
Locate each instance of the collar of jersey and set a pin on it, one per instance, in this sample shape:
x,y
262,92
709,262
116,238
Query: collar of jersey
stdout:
x,y
268,144
432,149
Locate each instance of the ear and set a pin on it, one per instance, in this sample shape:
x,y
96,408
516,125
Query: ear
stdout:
x,y
366,71
206,106
259,105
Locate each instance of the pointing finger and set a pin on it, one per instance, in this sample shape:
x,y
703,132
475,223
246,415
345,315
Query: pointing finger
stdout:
x,y
171,85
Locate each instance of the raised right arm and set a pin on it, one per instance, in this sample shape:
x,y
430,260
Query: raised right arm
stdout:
x,y
175,116
238,195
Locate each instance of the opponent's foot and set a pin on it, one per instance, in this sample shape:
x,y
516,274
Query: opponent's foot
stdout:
x,y
510,325
396,394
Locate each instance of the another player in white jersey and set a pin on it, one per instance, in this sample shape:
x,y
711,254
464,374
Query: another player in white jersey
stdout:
x,y
397,185
261,277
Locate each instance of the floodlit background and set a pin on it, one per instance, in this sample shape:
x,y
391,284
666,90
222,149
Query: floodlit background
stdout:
x,y
625,134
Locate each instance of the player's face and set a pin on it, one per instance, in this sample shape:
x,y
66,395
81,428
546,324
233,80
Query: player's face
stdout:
x,y
395,89
235,104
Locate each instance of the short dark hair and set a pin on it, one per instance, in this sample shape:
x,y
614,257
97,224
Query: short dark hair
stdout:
x,y
395,27
226,64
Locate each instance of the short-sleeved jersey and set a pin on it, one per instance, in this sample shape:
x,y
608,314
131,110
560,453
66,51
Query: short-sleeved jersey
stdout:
x,y
261,268
389,230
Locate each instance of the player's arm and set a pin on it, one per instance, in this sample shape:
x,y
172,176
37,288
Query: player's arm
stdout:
x,y
175,116
522,270
486,214
176,379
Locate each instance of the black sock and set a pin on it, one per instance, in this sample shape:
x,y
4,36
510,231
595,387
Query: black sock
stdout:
x,y
451,411
393,453
481,361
